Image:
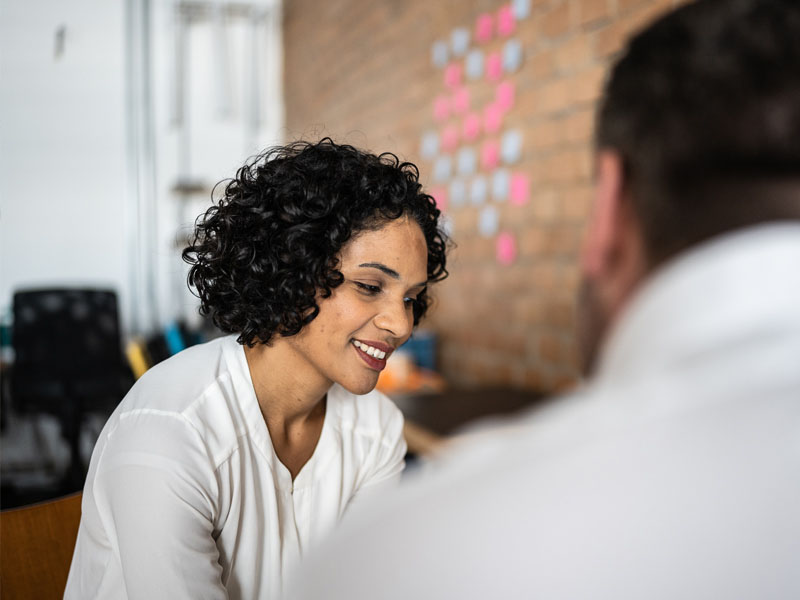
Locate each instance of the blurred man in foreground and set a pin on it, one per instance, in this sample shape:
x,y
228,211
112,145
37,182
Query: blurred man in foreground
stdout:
x,y
676,472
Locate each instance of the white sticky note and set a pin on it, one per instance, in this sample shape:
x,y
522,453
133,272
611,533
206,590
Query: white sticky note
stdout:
x,y
442,169
459,41
501,184
473,65
521,9
512,56
439,54
429,146
467,161
488,221
479,190
511,146
458,192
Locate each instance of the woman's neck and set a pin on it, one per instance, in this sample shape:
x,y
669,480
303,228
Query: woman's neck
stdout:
x,y
287,389
292,401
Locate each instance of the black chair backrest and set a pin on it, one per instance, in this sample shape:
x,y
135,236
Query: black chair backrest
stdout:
x,y
67,339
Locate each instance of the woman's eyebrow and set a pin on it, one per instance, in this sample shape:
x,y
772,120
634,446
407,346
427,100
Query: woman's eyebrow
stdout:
x,y
389,271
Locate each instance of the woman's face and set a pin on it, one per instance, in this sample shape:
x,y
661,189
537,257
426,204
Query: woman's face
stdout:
x,y
371,313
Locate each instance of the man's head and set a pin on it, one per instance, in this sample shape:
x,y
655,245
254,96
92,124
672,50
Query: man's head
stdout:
x,y
697,134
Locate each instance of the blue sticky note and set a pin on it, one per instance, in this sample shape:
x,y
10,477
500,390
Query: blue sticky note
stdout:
x,y
521,9
511,146
459,41
501,185
467,161
479,190
440,54
442,169
473,65
488,221
458,192
429,146
512,55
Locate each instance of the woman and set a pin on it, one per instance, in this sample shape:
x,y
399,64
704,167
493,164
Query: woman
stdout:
x,y
226,462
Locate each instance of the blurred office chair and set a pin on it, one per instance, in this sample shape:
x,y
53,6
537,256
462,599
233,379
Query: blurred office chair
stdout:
x,y
68,361
36,546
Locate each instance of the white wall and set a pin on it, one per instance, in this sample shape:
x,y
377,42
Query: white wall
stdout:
x,y
62,145
73,210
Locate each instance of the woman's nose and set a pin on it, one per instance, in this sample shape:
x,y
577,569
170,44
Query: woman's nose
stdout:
x,y
396,317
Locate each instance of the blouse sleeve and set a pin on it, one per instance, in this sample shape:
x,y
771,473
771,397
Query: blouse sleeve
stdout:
x,y
387,459
155,490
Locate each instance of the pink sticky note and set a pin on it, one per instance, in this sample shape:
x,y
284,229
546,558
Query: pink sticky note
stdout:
x,y
441,108
452,75
494,66
483,27
449,138
492,118
461,100
505,21
439,195
504,96
471,128
520,189
490,155
506,248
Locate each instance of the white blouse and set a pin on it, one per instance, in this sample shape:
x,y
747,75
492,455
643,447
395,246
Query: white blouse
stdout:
x,y
186,498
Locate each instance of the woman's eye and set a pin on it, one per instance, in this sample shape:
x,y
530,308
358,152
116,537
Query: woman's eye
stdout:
x,y
409,301
367,288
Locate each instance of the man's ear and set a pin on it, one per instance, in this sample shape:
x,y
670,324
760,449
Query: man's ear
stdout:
x,y
603,230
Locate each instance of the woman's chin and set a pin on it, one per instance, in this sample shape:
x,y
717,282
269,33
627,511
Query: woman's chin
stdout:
x,y
360,386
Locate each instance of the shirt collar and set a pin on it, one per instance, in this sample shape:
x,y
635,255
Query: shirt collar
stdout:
x,y
709,299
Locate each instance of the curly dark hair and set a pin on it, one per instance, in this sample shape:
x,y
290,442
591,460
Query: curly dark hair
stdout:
x,y
262,254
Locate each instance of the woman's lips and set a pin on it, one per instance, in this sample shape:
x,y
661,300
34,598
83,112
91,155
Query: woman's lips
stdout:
x,y
374,354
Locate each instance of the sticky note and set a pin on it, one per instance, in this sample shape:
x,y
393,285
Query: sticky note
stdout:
x,y
505,21
492,118
501,184
458,192
473,64
488,221
521,9
452,75
446,224
494,66
449,138
512,56
441,108
520,189
442,168
467,161
490,155
459,41
460,100
504,95
439,54
511,146
484,25
429,145
439,195
471,128
478,190
506,248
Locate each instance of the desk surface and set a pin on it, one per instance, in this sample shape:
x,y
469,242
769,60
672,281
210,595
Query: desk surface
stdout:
x,y
444,413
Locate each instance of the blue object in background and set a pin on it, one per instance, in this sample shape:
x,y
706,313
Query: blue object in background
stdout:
x,y
422,346
174,338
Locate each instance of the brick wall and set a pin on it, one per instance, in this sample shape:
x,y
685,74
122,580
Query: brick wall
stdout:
x,y
362,72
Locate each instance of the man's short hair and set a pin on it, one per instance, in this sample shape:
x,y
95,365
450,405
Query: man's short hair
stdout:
x,y
704,109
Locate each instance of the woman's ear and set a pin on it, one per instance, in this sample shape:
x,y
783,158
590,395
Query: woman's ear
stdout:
x,y
603,229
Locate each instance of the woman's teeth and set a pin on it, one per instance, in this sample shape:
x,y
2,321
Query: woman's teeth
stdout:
x,y
374,352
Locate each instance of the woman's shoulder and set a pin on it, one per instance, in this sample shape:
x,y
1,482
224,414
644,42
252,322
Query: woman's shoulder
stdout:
x,y
191,395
